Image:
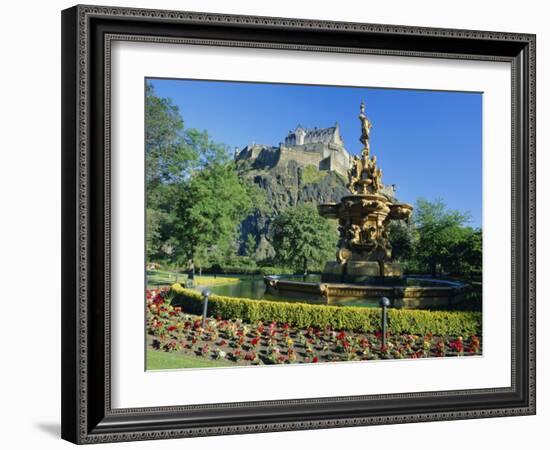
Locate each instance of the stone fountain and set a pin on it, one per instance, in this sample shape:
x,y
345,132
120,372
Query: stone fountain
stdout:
x,y
363,267
364,250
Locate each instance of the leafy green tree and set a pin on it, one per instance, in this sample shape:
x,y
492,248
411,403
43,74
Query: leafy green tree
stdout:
x,y
469,252
176,158
210,208
250,245
440,232
168,154
302,239
401,241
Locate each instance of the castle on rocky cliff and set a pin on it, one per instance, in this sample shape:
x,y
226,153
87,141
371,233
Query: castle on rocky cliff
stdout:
x,y
319,147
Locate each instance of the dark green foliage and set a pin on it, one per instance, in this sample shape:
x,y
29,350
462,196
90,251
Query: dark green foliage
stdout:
x,y
250,245
210,209
442,240
167,152
401,241
302,239
321,316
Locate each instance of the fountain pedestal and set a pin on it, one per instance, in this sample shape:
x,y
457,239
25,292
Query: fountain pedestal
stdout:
x,y
364,250
362,272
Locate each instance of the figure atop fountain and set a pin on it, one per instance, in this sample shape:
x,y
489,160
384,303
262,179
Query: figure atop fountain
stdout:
x,y
363,176
366,125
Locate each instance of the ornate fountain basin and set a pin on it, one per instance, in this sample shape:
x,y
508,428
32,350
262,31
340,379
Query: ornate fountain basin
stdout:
x,y
438,293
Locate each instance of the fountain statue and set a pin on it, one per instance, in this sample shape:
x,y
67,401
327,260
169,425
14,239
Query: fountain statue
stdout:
x,y
364,268
364,250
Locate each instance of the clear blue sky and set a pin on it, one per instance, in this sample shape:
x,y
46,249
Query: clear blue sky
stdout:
x,y
428,143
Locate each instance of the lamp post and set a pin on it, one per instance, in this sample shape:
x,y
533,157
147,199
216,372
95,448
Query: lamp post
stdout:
x,y
384,303
205,295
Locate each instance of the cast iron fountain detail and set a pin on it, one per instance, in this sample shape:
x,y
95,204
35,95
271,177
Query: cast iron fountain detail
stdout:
x,y
364,250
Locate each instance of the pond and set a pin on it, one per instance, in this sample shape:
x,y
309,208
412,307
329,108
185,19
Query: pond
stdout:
x,y
254,288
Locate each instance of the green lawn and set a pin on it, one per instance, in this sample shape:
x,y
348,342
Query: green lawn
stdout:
x,y
159,360
165,278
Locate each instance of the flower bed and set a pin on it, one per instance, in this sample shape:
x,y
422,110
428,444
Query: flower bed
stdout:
x,y
321,316
171,329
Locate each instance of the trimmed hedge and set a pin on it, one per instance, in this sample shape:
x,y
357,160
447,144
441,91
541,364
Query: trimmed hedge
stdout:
x,y
304,315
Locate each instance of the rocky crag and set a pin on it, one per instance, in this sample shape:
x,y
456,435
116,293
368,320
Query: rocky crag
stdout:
x,y
284,186
310,165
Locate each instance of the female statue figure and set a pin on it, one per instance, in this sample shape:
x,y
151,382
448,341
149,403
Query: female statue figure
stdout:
x,y
366,125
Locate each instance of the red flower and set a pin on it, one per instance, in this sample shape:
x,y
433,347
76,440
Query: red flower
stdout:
x,y
457,345
172,328
341,336
315,359
250,356
255,341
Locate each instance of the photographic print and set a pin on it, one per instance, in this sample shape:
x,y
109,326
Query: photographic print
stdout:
x,y
294,224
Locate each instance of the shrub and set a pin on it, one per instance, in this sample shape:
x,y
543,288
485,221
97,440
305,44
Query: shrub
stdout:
x,y
338,318
311,174
275,270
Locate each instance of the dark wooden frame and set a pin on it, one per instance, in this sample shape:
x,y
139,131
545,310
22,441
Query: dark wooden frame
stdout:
x,y
87,31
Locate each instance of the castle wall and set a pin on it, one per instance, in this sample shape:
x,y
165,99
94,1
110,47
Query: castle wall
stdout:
x,y
300,155
268,157
327,156
259,155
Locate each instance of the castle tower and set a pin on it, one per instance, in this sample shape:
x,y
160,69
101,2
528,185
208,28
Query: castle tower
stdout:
x,y
300,134
337,137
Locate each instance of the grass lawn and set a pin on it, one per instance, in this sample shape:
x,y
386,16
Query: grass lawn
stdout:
x,y
159,360
165,278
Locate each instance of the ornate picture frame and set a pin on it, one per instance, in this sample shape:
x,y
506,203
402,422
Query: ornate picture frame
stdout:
x,y
88,33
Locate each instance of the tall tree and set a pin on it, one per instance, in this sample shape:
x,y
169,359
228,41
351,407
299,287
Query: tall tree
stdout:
x,y
250,245
178,162
168,155
468,252
440,231
210,207
302,239
401,240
